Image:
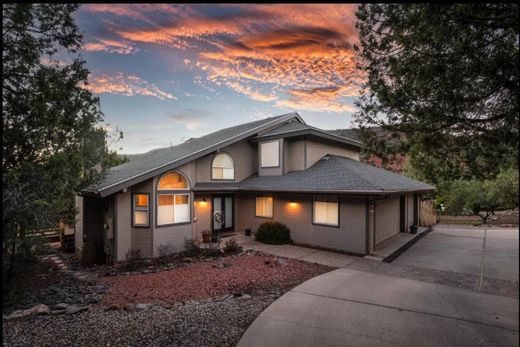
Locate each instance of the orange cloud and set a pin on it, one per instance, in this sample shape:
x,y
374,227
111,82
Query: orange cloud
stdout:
x,y
327,99
293,49
125,85
111,46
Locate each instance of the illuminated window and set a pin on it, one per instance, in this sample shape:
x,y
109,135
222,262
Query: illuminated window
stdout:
x,y
264,206
173,199
270,154
326,210
223,167
172,181
141,210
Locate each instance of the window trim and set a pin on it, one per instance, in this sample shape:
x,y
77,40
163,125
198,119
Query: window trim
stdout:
x,y
323,224
223,179
185,191
147,226
264,196
279,155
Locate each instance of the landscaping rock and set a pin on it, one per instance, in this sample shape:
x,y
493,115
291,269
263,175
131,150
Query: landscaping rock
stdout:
x,y
38,309
60,306
142,307
129,307
75,309
113,307
187,260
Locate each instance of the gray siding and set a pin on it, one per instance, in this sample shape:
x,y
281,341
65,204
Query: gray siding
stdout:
x,y
203,215
294,155
271,171
78,226
386,219
123,227
244,156
350,236
316,150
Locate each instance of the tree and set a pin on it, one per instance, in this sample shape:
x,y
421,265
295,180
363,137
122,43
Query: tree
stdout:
x,y
481,197
51,137
446,77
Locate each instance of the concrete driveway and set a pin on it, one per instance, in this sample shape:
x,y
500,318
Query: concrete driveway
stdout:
x,y
353,308
490,253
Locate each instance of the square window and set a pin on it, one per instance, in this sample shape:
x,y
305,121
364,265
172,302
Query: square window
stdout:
x,y
270,154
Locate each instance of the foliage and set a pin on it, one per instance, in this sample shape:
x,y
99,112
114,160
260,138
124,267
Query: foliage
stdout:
x,y
231,247
51,145
191,247
443,80
166,250
273,233
482,197
134,260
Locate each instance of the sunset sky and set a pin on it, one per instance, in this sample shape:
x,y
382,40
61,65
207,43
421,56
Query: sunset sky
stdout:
x,y
165,73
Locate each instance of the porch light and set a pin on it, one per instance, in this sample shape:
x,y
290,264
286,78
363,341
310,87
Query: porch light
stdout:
x,y
293,203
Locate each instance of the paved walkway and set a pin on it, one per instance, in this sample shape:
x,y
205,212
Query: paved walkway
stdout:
x,y
347,307
297,252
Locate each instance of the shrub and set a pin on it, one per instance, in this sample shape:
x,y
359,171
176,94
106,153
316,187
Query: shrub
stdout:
x,y
191,247
166,250
134,259
232,247
273,233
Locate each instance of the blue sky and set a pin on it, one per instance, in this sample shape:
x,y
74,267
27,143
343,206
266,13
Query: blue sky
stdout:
x,y
165,73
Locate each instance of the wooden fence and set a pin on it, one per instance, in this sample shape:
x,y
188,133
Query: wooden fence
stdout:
x,y
51,234
427,212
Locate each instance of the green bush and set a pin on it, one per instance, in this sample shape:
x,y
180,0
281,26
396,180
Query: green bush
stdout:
x,y
232,247
273,233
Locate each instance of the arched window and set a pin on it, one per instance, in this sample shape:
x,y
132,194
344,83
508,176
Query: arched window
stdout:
x,y
173,199
223,167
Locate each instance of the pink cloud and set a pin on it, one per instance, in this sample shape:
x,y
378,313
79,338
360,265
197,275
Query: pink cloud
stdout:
x,y
130,85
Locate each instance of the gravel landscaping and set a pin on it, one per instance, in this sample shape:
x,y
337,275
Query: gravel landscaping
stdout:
x,y
194,324
200,302
247,273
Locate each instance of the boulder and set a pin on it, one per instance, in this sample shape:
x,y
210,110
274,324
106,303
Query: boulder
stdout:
x,y
38,309
142,307
129,307
75,309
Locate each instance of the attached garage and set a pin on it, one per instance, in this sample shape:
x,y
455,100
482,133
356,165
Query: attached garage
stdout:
x,y
387,214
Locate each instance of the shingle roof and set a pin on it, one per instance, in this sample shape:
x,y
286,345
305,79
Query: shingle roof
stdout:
x,y
297,129
337,174
147,165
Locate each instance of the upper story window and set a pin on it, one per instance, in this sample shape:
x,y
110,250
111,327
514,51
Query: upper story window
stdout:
x,y
223,167
173,199
326,210
270,154
141,210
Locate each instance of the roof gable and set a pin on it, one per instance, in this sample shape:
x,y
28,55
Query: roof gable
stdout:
x,y
156,161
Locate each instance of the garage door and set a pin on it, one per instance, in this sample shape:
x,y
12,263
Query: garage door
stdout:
x,y
387,219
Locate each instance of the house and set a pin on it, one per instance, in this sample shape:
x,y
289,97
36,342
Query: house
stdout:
x,y
274,169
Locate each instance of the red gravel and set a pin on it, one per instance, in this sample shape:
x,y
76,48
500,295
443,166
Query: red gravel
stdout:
x,y
200,280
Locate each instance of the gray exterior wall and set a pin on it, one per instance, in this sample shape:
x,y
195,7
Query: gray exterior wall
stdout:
x,y
271,171
387,222
123,234
316,150
350,236
244,156
294,155
202,215
78,225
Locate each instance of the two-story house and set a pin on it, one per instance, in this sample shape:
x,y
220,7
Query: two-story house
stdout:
x,y
278,169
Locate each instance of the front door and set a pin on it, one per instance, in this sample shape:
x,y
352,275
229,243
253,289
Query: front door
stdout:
x,y
222,212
